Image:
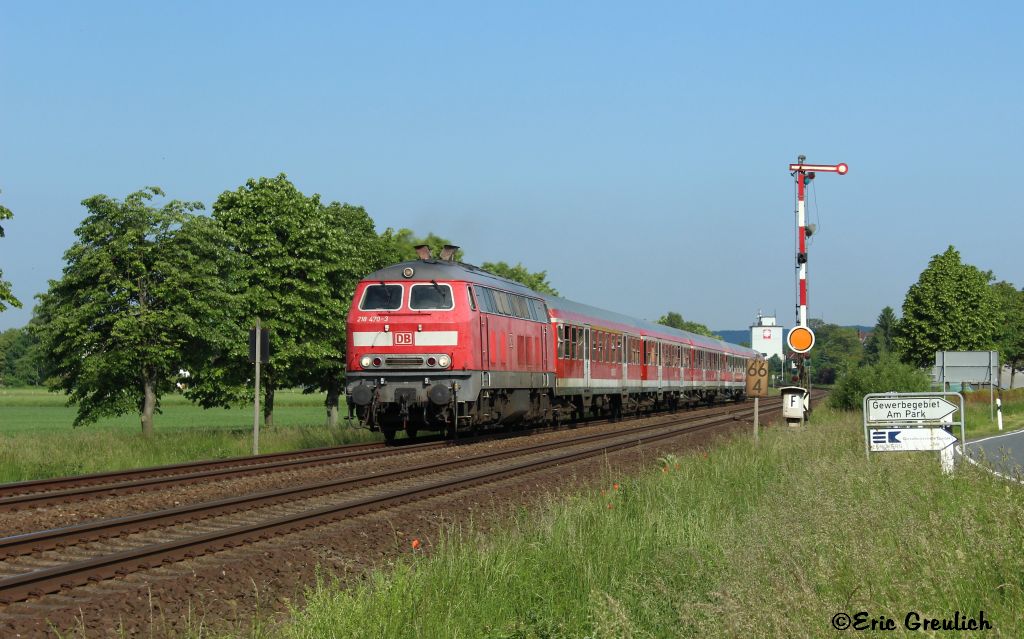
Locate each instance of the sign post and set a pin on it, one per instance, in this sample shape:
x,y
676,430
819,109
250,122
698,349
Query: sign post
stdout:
x,y
902,422
259,351
757,387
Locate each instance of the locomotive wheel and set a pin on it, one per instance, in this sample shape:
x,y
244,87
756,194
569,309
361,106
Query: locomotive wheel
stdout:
x,y
410,432
389,436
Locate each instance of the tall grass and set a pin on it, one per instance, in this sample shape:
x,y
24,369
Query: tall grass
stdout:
x,y
763,541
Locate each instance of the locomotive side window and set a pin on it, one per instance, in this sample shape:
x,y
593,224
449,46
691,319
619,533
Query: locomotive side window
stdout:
x,y
540,312
381,297
431,297
486,302
501,302
520,307
472,301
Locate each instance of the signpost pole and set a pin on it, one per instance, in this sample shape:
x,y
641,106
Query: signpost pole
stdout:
x,y
256,399
757,401
991,387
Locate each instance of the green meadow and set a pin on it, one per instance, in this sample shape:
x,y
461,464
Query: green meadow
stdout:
x,y
37,438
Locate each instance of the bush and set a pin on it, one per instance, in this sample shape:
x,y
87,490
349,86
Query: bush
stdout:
x,y
888,375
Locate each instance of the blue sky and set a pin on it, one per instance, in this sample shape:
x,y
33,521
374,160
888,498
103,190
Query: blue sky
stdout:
x,y
638,152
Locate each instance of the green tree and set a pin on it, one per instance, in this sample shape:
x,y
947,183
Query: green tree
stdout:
x,y
140,287
1010,338
775,365
951,307
406,241
355,250
301,260
881,340
837,349
675,320
6,295
888,374
20,358
537,281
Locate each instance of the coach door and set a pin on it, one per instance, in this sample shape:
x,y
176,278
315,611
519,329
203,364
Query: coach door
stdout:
x,y
659,347
586,357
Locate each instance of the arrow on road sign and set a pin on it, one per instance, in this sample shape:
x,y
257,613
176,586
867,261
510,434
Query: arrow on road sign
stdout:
x,y
909,409
905,439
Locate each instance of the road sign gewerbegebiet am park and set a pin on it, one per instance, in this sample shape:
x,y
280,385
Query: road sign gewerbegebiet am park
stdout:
x,y
901,422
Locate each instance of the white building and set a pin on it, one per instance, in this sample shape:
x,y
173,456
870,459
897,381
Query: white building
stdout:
x,y
766,336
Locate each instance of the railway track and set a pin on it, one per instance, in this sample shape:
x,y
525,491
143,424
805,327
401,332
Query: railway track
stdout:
x,y
49,561
66,489
61,490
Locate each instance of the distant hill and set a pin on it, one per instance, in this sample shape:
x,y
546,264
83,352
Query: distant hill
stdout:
x,y
743,335
735,337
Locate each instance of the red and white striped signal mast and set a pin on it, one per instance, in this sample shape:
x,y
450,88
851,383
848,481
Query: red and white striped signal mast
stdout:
x,y
801,338
804,173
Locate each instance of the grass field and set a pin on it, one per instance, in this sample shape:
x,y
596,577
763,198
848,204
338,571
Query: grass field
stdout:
x,y
979,420
766,541
37,439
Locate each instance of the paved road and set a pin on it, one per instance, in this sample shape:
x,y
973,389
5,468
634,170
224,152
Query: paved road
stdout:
x,y
1005,453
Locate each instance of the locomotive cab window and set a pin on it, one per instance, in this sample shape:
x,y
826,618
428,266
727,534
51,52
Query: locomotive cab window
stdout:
x,y
381,297
430,297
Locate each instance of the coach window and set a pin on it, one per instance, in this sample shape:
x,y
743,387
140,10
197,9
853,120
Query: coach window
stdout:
x,y
560,341
381,297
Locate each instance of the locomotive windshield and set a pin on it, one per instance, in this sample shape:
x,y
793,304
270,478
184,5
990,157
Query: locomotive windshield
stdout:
x,y
433,296
382,297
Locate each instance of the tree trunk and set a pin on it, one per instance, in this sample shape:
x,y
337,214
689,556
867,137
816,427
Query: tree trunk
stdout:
x,y
333,392
148,404
268,405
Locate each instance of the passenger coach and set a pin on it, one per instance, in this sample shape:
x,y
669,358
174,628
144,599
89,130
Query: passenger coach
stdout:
x,y
440,345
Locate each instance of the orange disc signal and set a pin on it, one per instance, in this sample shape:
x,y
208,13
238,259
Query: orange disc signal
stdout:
x,y
800,339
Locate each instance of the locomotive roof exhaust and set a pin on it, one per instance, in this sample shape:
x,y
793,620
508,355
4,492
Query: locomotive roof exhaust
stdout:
x,y
447,253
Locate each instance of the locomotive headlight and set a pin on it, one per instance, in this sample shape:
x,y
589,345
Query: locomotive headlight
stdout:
x,y
365,361
444,361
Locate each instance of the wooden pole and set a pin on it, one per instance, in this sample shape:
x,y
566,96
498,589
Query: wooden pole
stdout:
x,y
757,401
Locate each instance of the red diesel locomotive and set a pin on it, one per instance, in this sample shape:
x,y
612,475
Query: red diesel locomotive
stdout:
x,y
435,344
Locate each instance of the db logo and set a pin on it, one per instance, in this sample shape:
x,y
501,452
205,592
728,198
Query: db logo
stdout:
x,y
403,339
